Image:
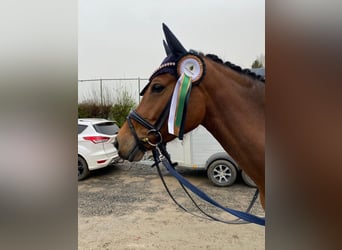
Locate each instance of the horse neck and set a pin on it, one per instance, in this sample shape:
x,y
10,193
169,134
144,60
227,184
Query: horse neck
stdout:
x,y
235,115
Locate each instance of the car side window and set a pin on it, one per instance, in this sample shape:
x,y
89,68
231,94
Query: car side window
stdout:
x,y
81,128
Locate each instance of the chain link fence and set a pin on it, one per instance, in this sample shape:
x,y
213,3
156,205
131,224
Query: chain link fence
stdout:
x,y
105,91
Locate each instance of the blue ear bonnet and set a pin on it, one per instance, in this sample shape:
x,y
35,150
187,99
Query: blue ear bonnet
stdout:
x,y
168,65
174,50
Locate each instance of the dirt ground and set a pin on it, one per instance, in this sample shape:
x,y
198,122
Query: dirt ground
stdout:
x,y
126,207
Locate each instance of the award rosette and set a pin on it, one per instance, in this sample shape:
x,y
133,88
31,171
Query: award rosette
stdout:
x,y
190,70
192,66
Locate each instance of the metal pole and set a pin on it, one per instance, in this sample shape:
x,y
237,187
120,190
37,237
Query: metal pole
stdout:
x,y
101,92
139,89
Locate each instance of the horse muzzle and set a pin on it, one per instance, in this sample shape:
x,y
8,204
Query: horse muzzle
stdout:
x,y
128,151
132,147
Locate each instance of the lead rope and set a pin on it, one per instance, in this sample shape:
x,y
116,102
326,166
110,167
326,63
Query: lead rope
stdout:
x,y
160,155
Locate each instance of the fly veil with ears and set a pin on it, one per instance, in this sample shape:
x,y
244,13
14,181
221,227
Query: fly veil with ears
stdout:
x,y
189,68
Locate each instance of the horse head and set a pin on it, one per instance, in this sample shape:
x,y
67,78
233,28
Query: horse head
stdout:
x,y
189,89
160,116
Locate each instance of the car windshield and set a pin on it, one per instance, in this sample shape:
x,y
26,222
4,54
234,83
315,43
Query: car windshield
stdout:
x,y
108,128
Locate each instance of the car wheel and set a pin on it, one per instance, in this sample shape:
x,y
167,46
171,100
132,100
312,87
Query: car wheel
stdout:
x,y
222,173
247,179
83,170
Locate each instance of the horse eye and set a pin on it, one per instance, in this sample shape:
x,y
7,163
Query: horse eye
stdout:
x,y
157,88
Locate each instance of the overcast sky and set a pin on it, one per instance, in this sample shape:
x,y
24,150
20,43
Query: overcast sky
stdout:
x,y
124,38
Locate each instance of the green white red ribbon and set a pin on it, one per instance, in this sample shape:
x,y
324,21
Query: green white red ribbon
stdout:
x,y
178,104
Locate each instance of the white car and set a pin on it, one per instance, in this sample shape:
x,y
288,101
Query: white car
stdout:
x,y
95,145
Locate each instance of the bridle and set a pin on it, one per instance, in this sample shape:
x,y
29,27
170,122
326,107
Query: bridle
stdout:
x,y
171,67
153,130
161,155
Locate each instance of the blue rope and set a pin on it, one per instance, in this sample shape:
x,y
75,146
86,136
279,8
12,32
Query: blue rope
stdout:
x,y
242,215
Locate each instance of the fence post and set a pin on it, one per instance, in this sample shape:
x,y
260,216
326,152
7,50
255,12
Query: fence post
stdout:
x,y
139,89
101,91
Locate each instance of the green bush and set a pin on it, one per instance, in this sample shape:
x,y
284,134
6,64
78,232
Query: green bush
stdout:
x,y
93,110
123,105
117,111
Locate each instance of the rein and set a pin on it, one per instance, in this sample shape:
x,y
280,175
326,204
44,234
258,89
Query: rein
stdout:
x,y
161,155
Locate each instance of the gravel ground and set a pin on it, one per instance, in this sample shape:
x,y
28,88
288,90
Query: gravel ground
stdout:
x,y
126,207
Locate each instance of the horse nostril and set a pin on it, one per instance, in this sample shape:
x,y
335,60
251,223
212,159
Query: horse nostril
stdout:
x,y
116,143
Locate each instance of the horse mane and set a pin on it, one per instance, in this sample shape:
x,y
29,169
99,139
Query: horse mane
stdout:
x,y
234,67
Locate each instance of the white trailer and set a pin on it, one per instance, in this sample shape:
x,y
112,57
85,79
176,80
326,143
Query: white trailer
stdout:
x,y
200,150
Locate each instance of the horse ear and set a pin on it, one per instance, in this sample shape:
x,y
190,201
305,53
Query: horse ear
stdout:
x,y
167,49
175,46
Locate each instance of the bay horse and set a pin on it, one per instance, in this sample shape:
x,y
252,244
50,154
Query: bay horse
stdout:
x,y
228,101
